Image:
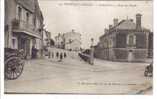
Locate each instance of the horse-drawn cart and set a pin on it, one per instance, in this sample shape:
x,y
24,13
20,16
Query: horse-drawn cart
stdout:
x,y
14,63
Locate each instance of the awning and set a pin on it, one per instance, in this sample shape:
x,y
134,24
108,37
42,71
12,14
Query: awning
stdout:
x,y
28,33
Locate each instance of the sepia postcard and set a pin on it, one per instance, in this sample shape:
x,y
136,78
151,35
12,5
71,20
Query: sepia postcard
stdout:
x,y
93,47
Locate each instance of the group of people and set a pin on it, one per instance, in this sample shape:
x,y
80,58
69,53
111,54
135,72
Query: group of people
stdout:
x,y
58,55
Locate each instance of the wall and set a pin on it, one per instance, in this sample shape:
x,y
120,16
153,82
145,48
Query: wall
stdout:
x,y
121,40
10,9
140,40
139,55
121,51
75,39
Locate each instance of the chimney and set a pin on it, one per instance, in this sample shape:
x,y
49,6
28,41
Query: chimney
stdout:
x,y
138,21
115,21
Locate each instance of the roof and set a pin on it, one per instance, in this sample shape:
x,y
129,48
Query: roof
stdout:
x,y
71,33
38,11
27,4
126,25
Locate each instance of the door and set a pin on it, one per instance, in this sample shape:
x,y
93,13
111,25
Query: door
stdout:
x,y
27,48
130,56
24,44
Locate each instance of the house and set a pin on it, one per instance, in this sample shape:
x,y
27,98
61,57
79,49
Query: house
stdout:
x,y
124,41
72,41
150,47
46,38
59,41
23,26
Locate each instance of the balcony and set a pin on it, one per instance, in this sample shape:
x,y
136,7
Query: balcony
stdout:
x,y
20,26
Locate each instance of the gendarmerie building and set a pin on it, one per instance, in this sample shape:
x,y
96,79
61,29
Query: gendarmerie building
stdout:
x,y
125,40
23,25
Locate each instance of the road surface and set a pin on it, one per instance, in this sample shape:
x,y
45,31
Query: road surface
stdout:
x,y
73,75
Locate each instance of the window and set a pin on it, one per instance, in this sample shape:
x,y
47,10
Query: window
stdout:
x,y
19,13
131,40
110,43
14,43
27,17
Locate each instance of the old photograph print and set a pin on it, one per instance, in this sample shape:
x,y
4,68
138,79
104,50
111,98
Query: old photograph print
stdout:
x,y
78,47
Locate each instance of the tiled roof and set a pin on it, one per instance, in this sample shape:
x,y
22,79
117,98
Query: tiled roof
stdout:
x,y
126,25
27,4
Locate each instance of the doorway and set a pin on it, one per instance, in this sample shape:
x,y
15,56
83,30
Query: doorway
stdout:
x,y
130,56
24,43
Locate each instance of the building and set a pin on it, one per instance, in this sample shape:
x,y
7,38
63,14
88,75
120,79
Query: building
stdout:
x,y
150,47
69,41
124,41
23,25
72,41
46,38
59,41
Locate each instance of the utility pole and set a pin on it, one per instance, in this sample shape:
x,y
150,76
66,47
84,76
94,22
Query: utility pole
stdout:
x,y
92,52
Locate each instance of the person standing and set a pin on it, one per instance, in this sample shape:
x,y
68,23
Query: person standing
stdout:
x,y
61,57
65,55
57,55
34,52
49,51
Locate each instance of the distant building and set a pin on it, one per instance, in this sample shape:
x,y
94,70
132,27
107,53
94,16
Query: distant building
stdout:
x,y
46,38
124,41
69,41
59,41
23,25
72,41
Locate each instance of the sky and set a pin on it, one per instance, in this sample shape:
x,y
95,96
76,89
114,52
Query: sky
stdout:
x,y
90,18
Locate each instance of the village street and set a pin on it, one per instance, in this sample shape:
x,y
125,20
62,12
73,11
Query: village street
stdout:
x,y
73,75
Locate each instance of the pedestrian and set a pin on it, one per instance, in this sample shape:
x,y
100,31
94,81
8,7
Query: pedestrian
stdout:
x,y
65,55
49,52
61,57
34,52
57,55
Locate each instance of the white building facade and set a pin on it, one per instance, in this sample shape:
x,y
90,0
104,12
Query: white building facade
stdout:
x,y
23,26
59,41
72,41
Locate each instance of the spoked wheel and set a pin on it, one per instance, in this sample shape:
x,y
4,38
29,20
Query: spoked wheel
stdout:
x,y
13,68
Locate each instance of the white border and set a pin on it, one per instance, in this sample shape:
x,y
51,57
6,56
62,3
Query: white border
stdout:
x,y
2,45
26,96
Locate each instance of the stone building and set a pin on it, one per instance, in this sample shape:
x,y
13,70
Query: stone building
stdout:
x,y
72,41
124,41
23,25
150,47
69,41
59,41
46,38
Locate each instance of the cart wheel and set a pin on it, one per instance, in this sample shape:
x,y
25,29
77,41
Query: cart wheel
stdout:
x,y
13,68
